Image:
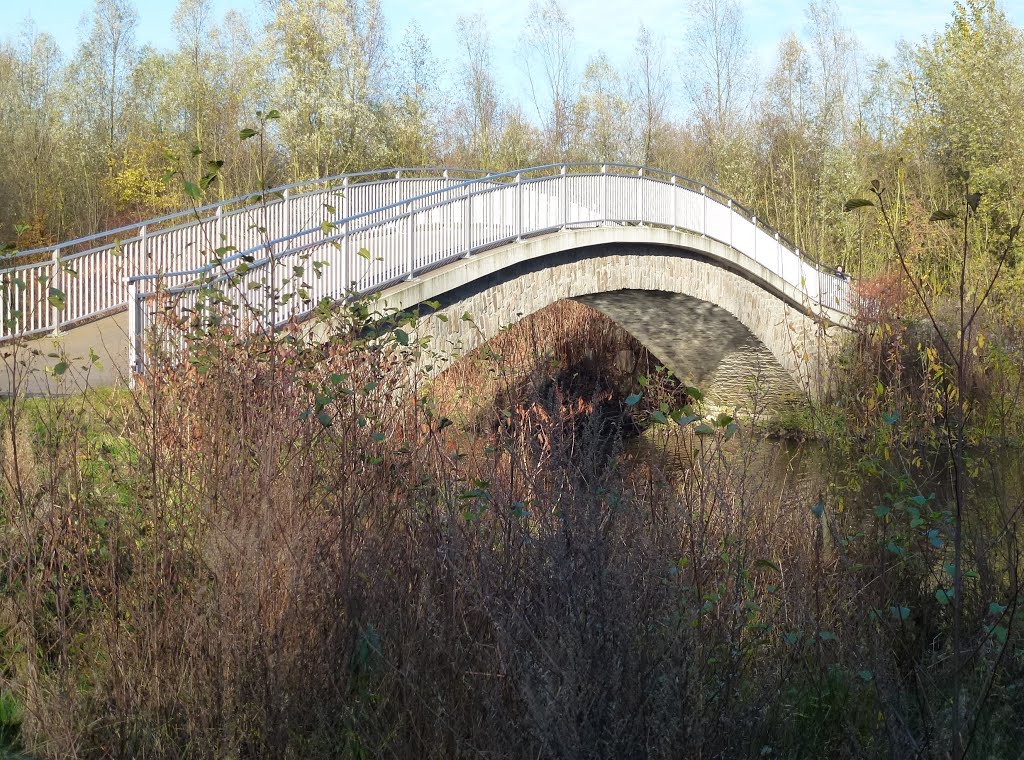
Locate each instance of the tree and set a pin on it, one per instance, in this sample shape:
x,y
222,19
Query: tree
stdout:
x,y
602,113
970,80
104,67
330,83
650,87
31,173
547,45
413,125
479,100
717,68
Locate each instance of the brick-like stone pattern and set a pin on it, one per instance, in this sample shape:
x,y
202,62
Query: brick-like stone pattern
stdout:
x,y
796,340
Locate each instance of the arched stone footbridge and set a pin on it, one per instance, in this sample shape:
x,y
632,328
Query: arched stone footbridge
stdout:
x,y
498,246
629,273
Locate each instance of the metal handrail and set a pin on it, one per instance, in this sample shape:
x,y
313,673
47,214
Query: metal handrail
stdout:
x,y
110,260
104,278
488,177
195,212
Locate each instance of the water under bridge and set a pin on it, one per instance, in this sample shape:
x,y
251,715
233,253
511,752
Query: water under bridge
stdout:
x,y
693,274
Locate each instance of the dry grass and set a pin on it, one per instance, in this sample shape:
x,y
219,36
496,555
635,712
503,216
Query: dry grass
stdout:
x,y
285,557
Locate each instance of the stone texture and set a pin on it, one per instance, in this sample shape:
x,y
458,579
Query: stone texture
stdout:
x,y
796,341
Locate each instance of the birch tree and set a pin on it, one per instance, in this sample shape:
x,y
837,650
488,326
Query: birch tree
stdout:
x,y
547,45
650,85
479,103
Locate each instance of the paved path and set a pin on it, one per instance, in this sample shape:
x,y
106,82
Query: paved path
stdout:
x,y
29,367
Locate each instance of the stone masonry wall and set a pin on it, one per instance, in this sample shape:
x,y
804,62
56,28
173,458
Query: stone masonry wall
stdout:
x,y
796,340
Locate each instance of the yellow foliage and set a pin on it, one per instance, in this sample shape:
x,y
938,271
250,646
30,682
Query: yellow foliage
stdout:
x,y
136,184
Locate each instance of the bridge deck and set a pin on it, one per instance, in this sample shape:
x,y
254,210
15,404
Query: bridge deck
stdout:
x,y
349,237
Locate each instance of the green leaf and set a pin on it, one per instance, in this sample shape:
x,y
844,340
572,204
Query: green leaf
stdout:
x,y
192,191
364,253
60,368
935,539
882,511
973,199
634,399
996,609
659,417
325,419
998,632
865,675
818,509
941,215
245,134
694,393
828,636
901,613
402,337
944,596
855,203
704,429
57,299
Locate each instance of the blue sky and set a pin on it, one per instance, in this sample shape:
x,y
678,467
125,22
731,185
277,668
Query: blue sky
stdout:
x,y
609,25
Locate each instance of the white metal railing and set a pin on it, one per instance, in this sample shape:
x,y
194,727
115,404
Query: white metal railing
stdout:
x,y
60,286
372,247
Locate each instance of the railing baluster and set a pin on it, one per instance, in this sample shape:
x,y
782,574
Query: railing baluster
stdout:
x,y
604,193
753,220
134,333
410,242
640,197
467,216
564,182
704,223
55,282
519,208
675,204
286,212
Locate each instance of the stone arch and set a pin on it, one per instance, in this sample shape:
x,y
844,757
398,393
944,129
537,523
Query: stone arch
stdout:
x,y
508,288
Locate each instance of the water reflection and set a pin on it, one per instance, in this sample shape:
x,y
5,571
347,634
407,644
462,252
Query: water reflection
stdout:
x,y
772,467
